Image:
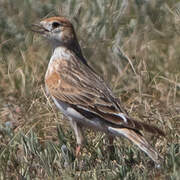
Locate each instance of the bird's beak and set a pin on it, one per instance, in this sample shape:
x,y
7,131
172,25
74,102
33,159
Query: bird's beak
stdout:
x,y
38,28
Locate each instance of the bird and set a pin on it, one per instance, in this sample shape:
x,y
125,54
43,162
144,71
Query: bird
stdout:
x,y
82,95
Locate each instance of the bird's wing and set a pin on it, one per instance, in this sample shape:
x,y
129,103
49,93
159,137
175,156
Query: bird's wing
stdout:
x,y
78,85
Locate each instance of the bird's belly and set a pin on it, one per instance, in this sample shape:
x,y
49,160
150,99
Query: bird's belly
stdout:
x,y
72,114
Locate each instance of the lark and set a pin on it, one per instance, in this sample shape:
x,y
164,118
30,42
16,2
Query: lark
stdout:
x,y
82,95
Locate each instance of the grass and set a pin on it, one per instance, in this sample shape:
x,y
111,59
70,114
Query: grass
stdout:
x,y
133,45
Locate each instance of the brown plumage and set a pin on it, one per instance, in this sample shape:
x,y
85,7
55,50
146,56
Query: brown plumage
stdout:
x,y
81,94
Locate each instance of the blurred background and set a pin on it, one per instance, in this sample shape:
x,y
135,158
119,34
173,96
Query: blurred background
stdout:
x,y
133,44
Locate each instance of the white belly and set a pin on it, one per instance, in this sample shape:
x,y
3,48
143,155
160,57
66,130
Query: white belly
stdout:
x,y
72,114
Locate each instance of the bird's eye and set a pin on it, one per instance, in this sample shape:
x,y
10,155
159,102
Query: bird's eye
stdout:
x,y
55,25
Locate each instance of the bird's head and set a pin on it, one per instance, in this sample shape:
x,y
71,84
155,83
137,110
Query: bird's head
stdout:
x,y
58,30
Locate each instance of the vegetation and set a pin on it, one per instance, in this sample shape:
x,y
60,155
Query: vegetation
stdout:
x,y
134,45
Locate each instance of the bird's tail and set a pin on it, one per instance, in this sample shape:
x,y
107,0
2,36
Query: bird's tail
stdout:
x,y
139,140
147,127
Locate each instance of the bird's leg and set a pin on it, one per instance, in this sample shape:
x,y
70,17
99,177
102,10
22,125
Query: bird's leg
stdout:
x,y
111,147
79,135
111,139
78,149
